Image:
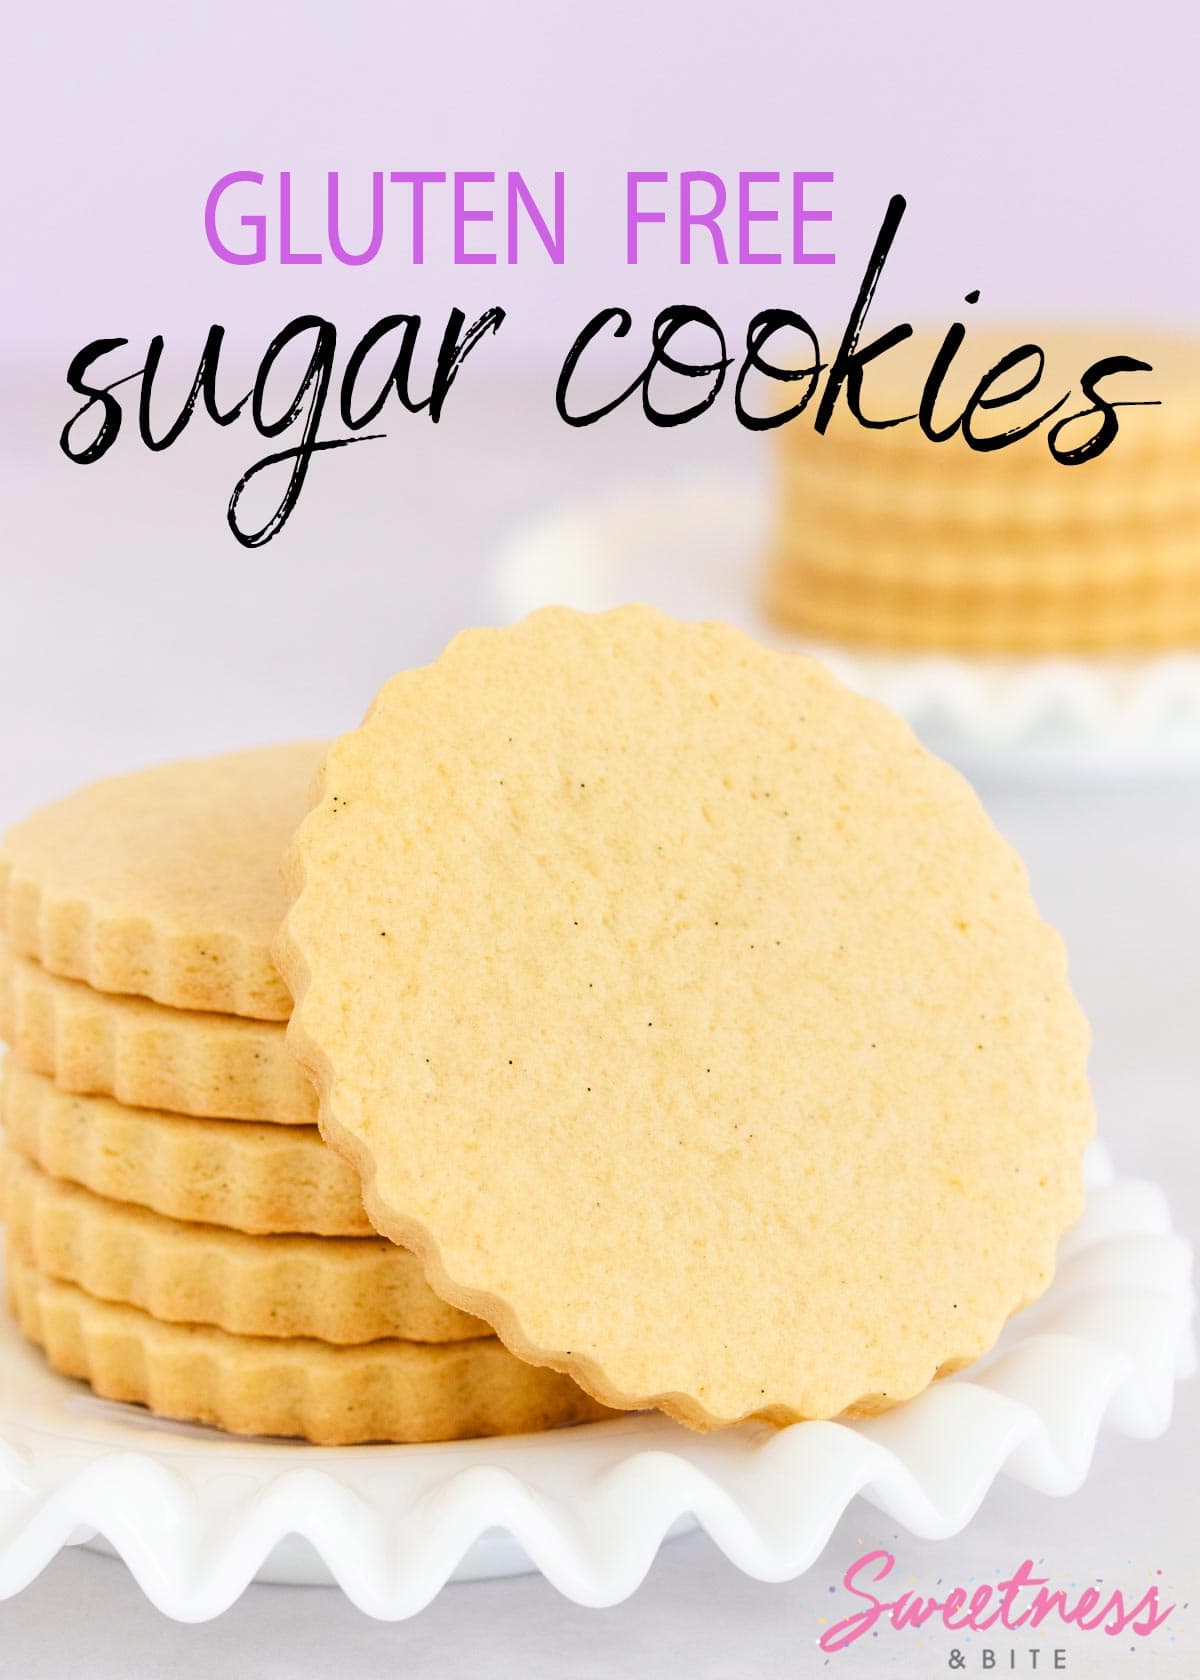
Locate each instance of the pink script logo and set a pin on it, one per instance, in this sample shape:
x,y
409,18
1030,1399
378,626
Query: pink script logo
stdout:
x,y
988,1606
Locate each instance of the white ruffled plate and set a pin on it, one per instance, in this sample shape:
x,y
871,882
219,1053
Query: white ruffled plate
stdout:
x,y
696,550
197,1515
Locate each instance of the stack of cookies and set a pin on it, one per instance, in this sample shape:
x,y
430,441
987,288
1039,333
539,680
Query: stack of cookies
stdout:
x,y
886,538
677,1017
176,1232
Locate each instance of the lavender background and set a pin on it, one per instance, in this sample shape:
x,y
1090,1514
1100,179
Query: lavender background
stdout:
x,y
1048,150
1049,154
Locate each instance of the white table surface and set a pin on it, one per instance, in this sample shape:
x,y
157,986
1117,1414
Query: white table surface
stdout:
x,y
135,629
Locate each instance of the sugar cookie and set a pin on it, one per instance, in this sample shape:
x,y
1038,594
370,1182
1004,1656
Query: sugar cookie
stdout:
x,y
333,1289
165,882
244,1174
687,1017
144,1054
336,1396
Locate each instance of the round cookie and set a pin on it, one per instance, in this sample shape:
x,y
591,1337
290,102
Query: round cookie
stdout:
x,y
247,1175
163,883
689,1020
334,1289
872,613
855,495
335,1396
145,1054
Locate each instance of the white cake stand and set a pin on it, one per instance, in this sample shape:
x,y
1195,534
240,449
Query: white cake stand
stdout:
x,y
696,549
197,1515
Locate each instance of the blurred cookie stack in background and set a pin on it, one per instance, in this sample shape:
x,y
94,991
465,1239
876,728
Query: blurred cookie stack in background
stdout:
x,y
176,1232
888,539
